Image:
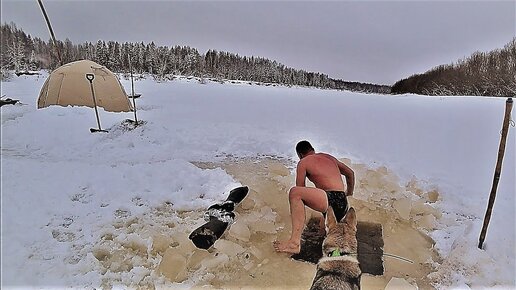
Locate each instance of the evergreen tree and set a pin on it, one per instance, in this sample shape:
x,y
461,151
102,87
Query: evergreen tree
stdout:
x,y
16,55
19,50
33,65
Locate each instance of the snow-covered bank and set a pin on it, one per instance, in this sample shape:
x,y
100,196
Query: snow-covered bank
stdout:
x,y
61,185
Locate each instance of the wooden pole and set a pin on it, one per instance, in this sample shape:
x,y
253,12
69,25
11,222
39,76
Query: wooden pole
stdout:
x,y
51,32
132,91
496,179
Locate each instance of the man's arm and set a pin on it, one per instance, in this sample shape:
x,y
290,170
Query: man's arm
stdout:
x,y
350,177
301,175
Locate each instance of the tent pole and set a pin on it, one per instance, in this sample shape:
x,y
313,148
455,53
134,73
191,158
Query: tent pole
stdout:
x,y
51,32
496,179
90,78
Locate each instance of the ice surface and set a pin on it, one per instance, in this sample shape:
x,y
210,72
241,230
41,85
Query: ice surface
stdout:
x,y
403,207
173,265
248,203
160,244
427,222
422,207
143,182
194,261
256,252
240,231
136,243
227,247
432,196
214,261
262,221
399,284
278,169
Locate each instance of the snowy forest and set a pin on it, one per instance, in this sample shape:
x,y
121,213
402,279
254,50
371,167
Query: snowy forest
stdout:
x,y
21,52
481,74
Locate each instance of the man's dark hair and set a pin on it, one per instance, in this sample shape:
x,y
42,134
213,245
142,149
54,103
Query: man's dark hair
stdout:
x,y
304,147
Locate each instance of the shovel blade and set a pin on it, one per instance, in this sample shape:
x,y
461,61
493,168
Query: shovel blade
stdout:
x,y
93,130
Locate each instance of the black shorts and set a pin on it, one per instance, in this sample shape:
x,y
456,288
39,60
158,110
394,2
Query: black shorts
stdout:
x,y
338,201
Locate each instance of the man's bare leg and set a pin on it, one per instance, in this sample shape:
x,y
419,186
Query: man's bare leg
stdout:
x,y
299,197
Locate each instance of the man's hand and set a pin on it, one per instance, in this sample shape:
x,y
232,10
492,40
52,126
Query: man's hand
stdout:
x,y
350,177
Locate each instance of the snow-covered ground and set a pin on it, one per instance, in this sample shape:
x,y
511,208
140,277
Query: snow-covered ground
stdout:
x,y
61,185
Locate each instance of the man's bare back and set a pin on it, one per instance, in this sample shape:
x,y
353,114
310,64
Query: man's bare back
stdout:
x,y
323,170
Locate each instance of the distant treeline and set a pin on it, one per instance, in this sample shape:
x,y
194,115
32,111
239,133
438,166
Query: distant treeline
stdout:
x,y
482,74
22,52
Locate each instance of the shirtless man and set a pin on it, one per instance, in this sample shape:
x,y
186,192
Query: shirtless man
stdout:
x,y
325,172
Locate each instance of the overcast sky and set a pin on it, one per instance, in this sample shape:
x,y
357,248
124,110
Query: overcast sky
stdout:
x,y
366,41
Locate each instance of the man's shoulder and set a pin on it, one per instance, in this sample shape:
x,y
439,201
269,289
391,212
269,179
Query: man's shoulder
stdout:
x,y
306,161
326,155
316,158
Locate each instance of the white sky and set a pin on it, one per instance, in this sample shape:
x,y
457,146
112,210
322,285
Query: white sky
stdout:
x,y
367,41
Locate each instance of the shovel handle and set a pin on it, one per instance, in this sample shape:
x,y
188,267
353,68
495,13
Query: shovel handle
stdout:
x,y
90,77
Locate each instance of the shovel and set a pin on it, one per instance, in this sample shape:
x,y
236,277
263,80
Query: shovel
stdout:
x,y
90,78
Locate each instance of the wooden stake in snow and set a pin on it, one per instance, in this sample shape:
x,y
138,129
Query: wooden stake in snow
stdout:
x,y
496,179
132,92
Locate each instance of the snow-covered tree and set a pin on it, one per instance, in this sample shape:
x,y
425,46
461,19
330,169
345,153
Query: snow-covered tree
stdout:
x,y
16,55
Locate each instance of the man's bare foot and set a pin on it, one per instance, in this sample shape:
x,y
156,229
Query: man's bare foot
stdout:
x,y
287,246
